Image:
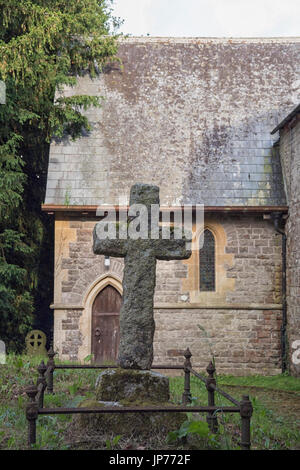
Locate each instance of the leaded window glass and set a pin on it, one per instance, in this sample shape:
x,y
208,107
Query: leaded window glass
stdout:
x,y
207,273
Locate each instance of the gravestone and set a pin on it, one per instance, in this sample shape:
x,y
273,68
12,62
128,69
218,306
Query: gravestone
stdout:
x,y
36,343
133,383
2,352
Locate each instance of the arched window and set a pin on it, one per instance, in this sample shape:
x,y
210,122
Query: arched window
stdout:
x,y
207,274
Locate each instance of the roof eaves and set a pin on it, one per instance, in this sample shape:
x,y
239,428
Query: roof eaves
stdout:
x,y
288,118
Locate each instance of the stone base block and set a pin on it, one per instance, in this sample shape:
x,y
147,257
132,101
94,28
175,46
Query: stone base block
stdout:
x,y
139,425
132,386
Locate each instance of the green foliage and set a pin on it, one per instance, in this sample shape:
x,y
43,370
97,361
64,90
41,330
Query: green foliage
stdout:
x,y
200,428
273,426
88,358
44,45
73,389
111,444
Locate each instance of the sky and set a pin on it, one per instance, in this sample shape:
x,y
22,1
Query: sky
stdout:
x,y
209,18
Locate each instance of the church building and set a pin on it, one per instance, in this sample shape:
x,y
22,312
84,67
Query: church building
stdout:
x,y
210,121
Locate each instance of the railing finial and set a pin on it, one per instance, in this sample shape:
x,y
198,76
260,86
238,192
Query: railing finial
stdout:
x,y
211,369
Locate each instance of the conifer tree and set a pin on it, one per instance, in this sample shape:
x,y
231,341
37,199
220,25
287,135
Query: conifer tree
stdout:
x,y
44,45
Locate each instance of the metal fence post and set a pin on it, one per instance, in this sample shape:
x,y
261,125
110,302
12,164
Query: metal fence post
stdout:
x,y
32,413
246,413
50,369
41,381
210,383
186,396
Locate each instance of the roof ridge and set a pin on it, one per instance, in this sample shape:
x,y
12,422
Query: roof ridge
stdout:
x,y
174,39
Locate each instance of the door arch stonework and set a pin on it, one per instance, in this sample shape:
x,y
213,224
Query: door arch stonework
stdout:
x,y
85,322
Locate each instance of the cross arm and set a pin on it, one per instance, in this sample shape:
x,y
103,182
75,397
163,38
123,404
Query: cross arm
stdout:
x,y
172,249
109,246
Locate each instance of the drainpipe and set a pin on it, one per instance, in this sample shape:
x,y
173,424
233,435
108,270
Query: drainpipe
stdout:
x,y
278,221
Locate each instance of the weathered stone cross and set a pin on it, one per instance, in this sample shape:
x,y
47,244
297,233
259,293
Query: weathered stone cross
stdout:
x,y
136,316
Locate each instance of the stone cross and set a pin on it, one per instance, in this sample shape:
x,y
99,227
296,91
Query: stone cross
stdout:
x,y
36,343
136,316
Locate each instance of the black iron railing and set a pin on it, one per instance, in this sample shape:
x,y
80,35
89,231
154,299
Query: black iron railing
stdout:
x,y
35,406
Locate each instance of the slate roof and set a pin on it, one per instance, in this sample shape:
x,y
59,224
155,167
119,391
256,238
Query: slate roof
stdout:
x,y
192,115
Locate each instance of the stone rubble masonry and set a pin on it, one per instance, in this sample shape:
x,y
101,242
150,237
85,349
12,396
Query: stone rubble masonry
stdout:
x,y
245,339
73,336
243,342
290,159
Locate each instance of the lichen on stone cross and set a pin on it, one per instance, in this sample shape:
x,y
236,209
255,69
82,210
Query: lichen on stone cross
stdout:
x,y
136,316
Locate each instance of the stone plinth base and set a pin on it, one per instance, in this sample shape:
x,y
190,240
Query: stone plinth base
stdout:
x,y
130,388
128,424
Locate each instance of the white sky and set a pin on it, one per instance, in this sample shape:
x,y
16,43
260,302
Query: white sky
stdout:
x,y
214,18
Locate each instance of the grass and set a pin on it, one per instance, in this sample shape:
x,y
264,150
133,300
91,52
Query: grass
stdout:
x,y
282,382
275,421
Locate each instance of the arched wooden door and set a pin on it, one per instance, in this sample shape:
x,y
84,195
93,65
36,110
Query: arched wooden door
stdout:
x,y
105,325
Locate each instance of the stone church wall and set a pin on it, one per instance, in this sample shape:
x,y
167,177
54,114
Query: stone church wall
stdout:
x,y
290,159
239,323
